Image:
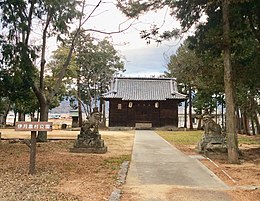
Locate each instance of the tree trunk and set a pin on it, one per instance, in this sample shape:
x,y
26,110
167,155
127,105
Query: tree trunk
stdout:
x,y
216,118
185,108
252,114
199,124
190,109
239,127
229,89
38,115
15,117
32,153
42,135
257,123
79,101
80,113
185,113
39,92
245,123
4,117
252,125
90,106
33,117
222,116
200,121
21,116
104,112
6,111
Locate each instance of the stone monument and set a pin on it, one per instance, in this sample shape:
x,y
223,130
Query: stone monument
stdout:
x,y
213,140
89,140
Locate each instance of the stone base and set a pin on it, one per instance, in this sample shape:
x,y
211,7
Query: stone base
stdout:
x,y
212,143
216,155
140,125
95,150
219,149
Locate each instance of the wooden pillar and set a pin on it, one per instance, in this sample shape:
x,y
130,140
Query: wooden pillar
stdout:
x,y
32,153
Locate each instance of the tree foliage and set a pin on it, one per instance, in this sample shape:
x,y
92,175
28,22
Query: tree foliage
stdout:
x,y
94,63
226,35
97,63
21,19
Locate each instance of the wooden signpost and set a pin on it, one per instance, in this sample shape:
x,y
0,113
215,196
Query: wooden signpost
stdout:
x,y
32,126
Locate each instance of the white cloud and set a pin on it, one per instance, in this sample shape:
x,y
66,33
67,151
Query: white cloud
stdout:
x,y
148,60
141,59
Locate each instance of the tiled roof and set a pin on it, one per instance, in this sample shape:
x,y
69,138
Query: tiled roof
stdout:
x,y
144,89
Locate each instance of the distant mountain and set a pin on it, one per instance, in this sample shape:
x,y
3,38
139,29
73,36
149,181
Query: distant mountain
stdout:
x,y
64,107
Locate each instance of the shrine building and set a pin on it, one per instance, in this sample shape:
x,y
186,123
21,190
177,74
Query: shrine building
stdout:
x,y
143,102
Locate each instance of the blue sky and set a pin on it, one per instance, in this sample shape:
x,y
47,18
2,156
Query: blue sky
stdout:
x,y
140,59
148,60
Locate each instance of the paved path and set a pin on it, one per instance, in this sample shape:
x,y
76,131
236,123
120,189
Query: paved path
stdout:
x,y
159,171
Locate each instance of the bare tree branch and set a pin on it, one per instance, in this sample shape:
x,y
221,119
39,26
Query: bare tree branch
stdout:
x,y
27,142
111,32
90,15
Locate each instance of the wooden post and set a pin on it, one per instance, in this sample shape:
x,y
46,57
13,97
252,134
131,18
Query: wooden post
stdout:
x,y
32,153
32,126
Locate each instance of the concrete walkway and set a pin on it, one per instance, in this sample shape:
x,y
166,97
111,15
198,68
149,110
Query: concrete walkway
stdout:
x,y
159,171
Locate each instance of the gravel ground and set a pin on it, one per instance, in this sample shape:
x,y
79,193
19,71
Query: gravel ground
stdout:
x,y
61,175
19,186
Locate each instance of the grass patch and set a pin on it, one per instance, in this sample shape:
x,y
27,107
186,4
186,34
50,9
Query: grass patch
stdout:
x,y
115,162
193,137
250,140
181,137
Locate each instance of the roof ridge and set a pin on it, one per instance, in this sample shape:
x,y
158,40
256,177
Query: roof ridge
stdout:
x,y
146,78
137,88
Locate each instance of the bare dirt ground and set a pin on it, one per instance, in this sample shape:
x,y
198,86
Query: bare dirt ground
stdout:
x,y
61,175
243,178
